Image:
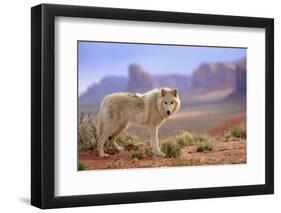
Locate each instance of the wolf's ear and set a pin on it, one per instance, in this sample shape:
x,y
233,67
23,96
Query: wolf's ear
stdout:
x,y
175,92
163,92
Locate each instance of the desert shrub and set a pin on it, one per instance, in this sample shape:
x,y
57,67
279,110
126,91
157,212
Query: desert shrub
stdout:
x,y
171,148
204,146
139,153
126,139
237,132
87,132
184,138
148,152
81,165
203,143
142,151
199,139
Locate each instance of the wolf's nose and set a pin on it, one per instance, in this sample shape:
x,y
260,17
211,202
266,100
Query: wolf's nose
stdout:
x,y
168,112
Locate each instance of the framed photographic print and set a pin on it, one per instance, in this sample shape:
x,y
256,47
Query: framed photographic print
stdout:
x,y
139,106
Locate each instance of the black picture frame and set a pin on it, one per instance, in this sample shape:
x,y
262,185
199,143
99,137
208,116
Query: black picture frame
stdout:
x,y
43,102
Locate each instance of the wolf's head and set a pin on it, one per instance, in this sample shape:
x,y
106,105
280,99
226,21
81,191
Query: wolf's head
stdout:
x,y
169,101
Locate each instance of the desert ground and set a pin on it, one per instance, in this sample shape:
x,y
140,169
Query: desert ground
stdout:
x,y
233,152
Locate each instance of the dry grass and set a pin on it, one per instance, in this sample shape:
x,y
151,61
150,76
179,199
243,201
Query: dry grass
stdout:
x,y
235,133
184,138
171,148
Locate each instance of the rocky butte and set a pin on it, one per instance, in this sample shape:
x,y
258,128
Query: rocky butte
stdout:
x,y
206,77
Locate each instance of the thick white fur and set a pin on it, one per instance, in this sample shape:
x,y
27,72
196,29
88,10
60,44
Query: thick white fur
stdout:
x,y
150,110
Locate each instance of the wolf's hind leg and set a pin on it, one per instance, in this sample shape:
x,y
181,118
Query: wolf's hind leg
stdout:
x,y
112,139
100,147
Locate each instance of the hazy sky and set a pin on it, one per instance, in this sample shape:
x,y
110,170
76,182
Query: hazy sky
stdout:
x,y
99,59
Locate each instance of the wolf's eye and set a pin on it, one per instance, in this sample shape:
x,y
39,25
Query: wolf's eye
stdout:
x,y
166,102
172,102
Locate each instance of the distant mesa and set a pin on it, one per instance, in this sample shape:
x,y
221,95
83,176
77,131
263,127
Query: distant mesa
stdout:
x,y
205,78
220,76
139,79
107,85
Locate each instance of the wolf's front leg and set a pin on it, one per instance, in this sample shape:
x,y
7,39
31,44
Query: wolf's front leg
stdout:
x,y
155,143
100,148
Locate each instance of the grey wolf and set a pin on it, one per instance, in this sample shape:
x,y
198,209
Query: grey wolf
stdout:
x,y
150,109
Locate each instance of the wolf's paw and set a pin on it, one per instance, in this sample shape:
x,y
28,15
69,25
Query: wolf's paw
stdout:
x,y
120,149
159,153
103,155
